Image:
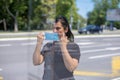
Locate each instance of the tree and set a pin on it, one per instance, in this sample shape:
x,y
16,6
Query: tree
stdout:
x,y
36,14
98,15
14,8
68,8
43,13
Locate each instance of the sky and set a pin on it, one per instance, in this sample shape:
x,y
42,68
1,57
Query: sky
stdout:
x,y
84,7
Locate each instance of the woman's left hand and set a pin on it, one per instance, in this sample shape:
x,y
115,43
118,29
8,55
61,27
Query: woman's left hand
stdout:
x,y
63,42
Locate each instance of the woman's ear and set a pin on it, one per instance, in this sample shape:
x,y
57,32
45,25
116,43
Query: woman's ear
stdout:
x,y
66,30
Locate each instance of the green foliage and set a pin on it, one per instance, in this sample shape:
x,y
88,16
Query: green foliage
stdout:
x,y
68,8
38,14
98,15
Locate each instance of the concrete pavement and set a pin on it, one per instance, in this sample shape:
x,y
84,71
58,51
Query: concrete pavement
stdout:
x,y
32,34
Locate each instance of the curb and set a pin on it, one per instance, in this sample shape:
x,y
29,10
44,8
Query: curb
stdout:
x,y
34,38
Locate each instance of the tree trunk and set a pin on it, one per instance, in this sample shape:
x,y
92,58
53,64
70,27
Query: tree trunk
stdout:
x,y
15,25
14,17
4,24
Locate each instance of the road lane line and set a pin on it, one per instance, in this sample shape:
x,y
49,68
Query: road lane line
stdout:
x,y
116,78
113,48
1,69
104,56
93,36
97,50
98,45
5,45
17,39
85,43
113,39
116,66
25,44
89,51
87,73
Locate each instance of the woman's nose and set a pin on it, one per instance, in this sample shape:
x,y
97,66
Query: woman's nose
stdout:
x,y
54,30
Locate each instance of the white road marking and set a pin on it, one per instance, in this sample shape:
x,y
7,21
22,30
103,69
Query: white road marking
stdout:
x,y
85,43
113,39
113,48
1,69
25,44
97,50
92,36
116,78
16,39
5,45
84,40
89,51
104,56
98,45
34,42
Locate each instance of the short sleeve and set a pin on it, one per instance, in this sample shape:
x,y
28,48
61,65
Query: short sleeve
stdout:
x,y
43,49
46,48
74,50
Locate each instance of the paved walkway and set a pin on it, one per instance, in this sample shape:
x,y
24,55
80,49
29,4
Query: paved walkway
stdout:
x,y
34,33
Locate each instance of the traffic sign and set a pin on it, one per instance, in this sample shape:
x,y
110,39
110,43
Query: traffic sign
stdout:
x,y
113,15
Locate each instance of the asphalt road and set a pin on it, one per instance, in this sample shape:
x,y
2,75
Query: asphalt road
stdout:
x,y
100,59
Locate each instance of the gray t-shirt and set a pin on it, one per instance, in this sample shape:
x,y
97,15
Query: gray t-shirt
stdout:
x,y
54,68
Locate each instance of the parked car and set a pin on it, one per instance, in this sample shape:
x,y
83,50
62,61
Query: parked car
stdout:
x,y
90,29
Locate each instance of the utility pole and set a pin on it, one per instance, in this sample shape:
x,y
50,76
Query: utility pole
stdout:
x,y
78,24
71,18
29,14
119,4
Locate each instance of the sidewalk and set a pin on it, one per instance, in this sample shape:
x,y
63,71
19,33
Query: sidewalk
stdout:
x,y
34,34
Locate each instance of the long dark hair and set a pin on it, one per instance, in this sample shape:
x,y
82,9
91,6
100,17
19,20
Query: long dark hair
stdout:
x,y
63,20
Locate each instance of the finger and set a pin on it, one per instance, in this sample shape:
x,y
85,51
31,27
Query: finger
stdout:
x,y
63,34
40,36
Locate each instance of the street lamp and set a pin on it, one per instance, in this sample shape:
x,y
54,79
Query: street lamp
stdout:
x,y
119,5
71,18
78,24
71,21
29,14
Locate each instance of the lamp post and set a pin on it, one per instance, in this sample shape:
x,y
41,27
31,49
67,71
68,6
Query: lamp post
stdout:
x,y
119,4
29,14
71,21
78,24
71,18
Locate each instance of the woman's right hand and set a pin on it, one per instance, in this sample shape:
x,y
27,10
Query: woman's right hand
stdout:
x,y
40,38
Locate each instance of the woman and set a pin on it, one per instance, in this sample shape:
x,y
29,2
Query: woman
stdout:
x,y
61,57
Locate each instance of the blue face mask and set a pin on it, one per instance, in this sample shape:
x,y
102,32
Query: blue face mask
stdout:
x,y
51,36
